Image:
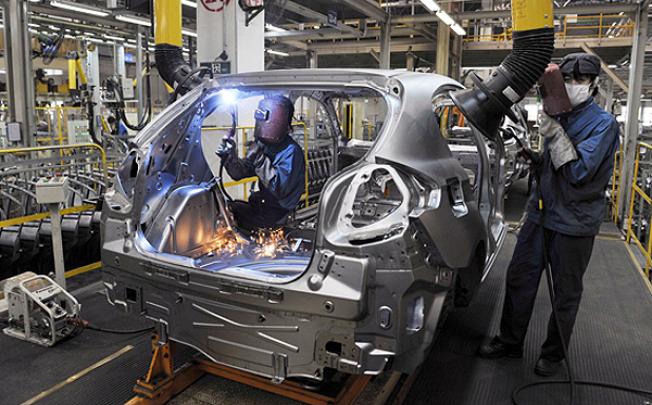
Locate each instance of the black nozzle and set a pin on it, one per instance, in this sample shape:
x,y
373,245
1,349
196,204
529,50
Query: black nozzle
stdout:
x,y
487,104
173,68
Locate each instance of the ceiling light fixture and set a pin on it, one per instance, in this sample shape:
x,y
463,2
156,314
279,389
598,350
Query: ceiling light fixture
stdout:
x,y
278,53
270,27
445,18
458,29
189,33
133,20
96,41
430,5
189,3
434,8
114,38
53,72
82,8
58,17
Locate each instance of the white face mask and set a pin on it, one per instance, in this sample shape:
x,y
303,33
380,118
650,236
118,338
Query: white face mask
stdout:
x,y
578,93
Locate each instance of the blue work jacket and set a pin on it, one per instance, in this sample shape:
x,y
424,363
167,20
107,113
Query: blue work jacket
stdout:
x,y
282,182
574,195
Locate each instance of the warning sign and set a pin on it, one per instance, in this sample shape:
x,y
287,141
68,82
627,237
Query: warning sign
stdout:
x,y
215,5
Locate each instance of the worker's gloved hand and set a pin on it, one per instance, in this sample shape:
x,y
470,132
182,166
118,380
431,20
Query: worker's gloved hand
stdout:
x,y
263,165
532,159
227,148
561,148
255,153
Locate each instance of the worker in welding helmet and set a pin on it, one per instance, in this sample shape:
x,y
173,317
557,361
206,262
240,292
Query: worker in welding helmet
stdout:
x,y
278,162
573,173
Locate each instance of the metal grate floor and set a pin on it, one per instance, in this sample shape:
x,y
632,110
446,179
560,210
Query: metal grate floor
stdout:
x,y
612,341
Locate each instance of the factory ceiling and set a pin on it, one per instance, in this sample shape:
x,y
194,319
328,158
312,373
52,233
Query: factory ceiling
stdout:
x,y
354,40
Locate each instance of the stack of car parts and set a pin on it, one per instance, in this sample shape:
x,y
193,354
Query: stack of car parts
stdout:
x,y
26,242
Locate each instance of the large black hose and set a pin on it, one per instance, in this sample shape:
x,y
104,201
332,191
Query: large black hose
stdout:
x,y
486,105
173,68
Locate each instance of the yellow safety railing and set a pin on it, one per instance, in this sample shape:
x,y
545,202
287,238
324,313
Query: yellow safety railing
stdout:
x,y
244,130
615,184
645,246
598,26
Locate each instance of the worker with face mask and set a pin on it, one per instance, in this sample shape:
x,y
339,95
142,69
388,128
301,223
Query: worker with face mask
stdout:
x,y
278,162
574,171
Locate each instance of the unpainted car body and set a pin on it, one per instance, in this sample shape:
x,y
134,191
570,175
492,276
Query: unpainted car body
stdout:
x,y
394,235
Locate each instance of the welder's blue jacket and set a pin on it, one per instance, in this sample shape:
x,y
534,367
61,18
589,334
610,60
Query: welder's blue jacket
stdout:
x,y
574,195
281,175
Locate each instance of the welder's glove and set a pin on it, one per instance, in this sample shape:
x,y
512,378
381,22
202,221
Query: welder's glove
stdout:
x,y
255,153
561,148
533,159
227,148
263,165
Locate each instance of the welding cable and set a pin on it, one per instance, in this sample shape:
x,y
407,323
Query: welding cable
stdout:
x,y
84,324
118,331
221,182
120,109
234,125
588,383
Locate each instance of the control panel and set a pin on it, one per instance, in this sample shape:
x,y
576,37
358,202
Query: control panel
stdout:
x,y
52,190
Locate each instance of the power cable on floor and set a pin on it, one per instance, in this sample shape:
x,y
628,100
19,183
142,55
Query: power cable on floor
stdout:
x,y
118,331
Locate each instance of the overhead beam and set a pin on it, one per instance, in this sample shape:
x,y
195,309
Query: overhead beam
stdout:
x,y
375,55
367,46
317,16
423,31
333,33
367,7
568,43
612,8
297,44
617,80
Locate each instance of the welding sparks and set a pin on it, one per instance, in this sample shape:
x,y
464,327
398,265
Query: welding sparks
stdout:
x,y
268,244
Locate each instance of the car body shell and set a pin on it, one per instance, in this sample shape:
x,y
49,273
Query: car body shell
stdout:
x,y
370,296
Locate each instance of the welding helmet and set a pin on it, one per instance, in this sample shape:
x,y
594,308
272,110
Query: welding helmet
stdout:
x,y
273,119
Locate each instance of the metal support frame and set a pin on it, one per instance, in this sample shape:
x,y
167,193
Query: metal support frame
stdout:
x,y
443,49
162,381
367,7
386,44
609,95
312,59
632,126
613,8
20,83
140,96
319,17
57,245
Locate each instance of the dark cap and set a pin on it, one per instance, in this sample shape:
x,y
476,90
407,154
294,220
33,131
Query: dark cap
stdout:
x,y
580,64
